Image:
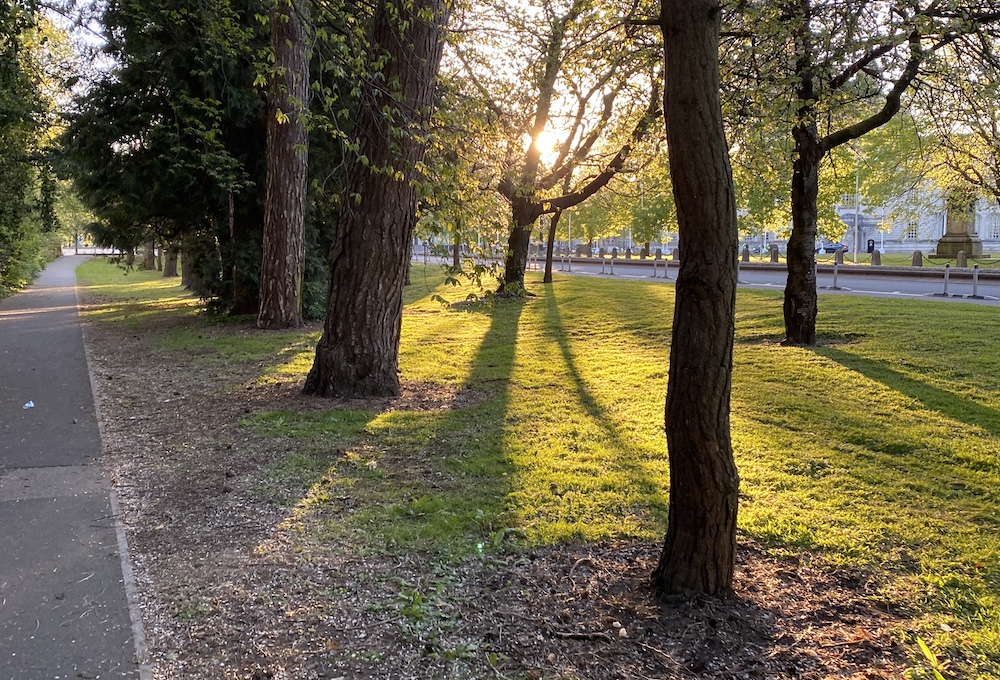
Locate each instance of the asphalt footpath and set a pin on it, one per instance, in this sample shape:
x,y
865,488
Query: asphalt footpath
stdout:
x,y
63,606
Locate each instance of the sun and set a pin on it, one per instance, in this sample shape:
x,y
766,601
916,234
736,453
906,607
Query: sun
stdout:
x,y
547,144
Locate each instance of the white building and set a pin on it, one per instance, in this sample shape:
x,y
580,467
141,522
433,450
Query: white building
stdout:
x,y
897,229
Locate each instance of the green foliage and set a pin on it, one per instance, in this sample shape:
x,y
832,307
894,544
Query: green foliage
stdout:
x,y
568,112
835,72
154,128
27,85
169,145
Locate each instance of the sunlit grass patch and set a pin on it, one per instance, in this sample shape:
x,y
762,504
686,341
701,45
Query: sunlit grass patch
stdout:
x,y
106,279
130,297
405,480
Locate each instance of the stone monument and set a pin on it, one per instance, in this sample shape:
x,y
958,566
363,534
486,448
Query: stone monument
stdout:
x,y
960,226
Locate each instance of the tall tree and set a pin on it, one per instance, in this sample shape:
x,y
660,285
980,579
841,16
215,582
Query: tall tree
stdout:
x,y
284,258
166,142
31,78
959,112
835,71
582,94
699,547
358,353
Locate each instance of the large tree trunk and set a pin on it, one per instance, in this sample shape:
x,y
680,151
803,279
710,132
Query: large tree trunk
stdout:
x,y
699,548
283,265
149,256
358,354
409,263
524,213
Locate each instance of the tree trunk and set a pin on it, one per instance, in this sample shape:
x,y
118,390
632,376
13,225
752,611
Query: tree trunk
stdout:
x,y
283,265
409,263
550,246
800,288
524,213
149,256
800,307
699,547
170,261
358,354
456,251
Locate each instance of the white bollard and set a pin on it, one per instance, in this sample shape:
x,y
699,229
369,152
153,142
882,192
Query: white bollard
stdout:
x,y
947,275
975,284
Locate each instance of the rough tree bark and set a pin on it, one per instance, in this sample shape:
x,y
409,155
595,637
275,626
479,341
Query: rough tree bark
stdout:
x,y
358,354
699,547
283,265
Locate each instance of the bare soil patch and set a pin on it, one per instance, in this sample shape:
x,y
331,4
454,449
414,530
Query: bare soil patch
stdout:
x,y
231,587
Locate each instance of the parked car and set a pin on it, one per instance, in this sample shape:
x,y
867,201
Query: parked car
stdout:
x,y
831,248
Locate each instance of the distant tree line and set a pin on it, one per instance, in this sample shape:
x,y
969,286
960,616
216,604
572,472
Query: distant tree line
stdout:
x,y
28,225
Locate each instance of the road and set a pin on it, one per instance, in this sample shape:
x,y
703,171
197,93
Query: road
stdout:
x,y
927,283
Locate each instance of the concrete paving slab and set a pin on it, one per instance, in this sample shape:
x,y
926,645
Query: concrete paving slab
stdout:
x,y
63,612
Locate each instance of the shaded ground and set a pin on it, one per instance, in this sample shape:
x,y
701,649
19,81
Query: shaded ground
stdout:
x,y
233,585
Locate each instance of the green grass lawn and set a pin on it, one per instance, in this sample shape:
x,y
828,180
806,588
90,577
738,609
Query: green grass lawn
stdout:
x,y
877,450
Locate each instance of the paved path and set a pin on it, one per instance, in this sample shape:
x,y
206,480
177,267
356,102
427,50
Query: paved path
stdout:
x,y
63,610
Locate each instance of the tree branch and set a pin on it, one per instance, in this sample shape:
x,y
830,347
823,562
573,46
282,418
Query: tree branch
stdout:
x,y
892,101
653,112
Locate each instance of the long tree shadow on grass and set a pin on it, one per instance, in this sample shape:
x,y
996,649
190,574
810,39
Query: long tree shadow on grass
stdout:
x,y
599,415
424,479
396,491
933,398
389,475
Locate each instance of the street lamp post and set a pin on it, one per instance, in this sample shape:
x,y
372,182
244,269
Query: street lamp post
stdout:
x,y
857,202
569,241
